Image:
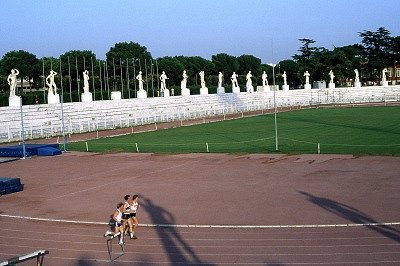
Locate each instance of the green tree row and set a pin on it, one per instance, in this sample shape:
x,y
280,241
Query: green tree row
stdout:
x,y
378,49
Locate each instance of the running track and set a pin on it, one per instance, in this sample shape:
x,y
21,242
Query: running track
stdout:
x,y
207,209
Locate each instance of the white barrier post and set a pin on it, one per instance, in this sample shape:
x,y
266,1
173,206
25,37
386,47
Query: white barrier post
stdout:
x,y
137,148
319,148
207,147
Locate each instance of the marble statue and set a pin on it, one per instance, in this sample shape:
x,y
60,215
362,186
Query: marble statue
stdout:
x,y
331,76
284,76
140,80
357,78
163,79
184,80
234,80
12,81
307,75
220,76
384,71
50,82
249,82
202,81
85,81
264,77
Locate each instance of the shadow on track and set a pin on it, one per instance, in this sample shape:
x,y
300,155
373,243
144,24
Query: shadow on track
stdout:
x,y
177,249
353,215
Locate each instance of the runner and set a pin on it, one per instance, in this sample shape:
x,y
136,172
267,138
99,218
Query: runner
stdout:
x,y
134,206
127,216
119,224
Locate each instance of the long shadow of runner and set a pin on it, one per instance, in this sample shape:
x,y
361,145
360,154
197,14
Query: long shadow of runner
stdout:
x,y
178,250
353,215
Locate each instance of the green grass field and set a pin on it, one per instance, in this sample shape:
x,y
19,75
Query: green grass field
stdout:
x,y
359,130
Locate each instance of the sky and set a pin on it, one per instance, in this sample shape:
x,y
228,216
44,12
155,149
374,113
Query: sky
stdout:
x,y
267,29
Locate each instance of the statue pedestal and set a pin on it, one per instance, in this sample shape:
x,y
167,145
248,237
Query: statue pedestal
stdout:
x,y
250,89
53,98
266,88
166,93
115,95
220,90
357,84
286,87
14,101
141,94
87,97
204,91
331,85
185,92
385,83
236,90
307,86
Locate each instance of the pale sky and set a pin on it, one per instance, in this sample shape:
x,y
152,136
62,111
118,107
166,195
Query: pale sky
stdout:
x,y
267,29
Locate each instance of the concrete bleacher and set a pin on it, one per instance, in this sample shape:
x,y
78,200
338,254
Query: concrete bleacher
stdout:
x,y
45,120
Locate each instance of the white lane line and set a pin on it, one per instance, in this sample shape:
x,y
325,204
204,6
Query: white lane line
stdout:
x,y
207,226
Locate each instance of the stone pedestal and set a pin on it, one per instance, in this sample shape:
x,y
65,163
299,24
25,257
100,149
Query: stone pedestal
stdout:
x,y
307,86
385,83
250,89
185,92
14,101
220,90
236,90
204,91
286,87
141,94
357,84
266,88
115,95
87,97
166,93
331,85
53,98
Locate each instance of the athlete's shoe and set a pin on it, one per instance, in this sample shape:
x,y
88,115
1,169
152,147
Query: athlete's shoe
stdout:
x,y
121,242
108,233
133,236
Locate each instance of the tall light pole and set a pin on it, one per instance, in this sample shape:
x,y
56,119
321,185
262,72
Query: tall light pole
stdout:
x,y
275,111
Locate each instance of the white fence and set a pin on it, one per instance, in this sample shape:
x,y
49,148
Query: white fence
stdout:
x,y
45,120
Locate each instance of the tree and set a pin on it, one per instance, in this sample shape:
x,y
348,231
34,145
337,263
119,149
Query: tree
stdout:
x,y
125,50
308,59
173,69
249,63
377,48
227,64
292,69
79,61
26,63
343,61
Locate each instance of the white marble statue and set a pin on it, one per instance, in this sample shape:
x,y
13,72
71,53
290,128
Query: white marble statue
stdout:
x,y
184,80
249,82
264,77
202,81
12,81
307,75
384,71
85,81
163,79
284,76
50,82
220,77
139,78
234,80
357,78
331,76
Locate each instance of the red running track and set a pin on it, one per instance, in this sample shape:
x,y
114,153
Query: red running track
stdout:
x,y
299,209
